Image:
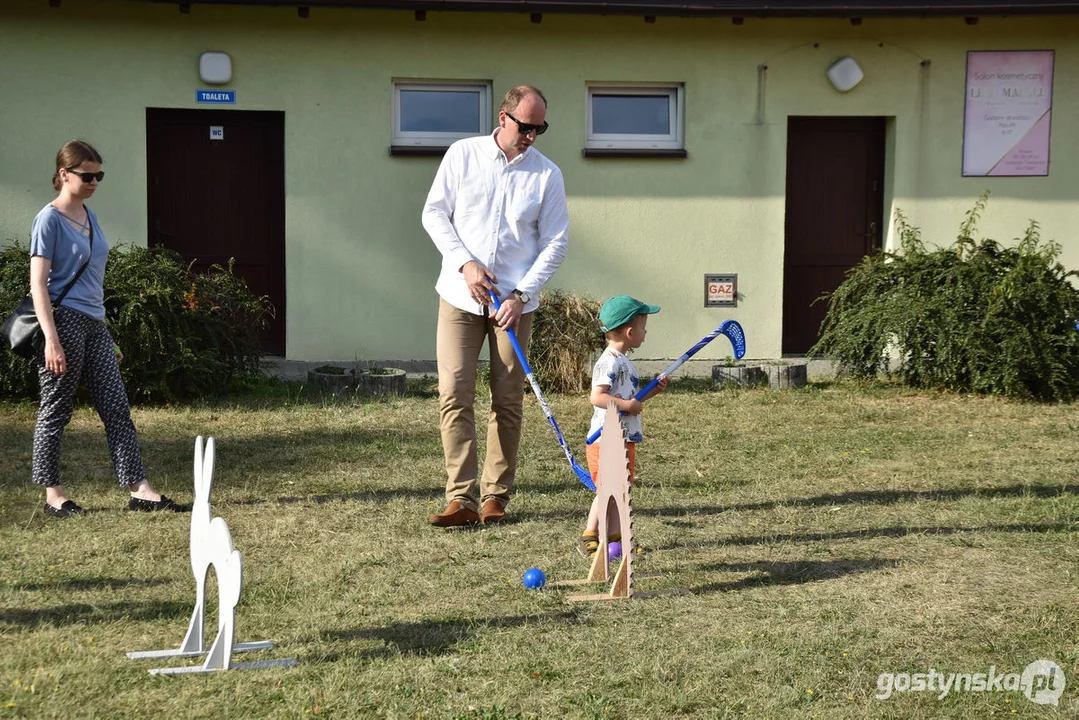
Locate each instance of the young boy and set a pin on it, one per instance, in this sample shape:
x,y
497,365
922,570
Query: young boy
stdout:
x,y
624,320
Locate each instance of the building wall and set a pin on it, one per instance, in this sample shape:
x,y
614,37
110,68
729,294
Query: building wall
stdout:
x,y
360,269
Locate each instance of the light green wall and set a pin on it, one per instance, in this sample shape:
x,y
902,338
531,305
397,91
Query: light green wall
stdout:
x,y
360,270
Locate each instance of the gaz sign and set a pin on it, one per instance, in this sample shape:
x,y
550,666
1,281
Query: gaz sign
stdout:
x,y
721,290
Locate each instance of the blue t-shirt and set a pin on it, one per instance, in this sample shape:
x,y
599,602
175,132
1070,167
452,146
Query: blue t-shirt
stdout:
x,y
53,237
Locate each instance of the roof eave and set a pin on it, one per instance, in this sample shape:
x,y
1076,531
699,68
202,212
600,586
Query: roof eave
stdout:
x,y
693,8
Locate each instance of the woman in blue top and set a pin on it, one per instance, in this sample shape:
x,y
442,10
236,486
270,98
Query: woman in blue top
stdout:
x,y
78,347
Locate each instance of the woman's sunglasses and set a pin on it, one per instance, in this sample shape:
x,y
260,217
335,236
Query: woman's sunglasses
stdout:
x,y
88,176
526,128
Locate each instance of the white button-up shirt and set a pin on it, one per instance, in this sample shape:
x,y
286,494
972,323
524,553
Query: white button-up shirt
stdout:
x,y
510,216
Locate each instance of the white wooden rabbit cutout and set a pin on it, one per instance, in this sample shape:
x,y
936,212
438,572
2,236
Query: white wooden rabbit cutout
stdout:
x,y
211,545
229,571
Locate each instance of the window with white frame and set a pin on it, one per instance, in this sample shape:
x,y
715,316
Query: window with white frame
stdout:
x,y
634,117
434,113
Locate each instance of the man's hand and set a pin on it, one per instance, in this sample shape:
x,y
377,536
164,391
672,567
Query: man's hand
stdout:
x,y
480,280
510,312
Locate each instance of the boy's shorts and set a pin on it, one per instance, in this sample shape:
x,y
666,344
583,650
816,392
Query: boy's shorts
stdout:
x,y
592,455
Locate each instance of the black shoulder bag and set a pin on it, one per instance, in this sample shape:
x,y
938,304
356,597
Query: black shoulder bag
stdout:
x,y
21,330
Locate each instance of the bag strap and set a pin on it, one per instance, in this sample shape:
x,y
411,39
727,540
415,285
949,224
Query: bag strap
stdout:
x,y
63,294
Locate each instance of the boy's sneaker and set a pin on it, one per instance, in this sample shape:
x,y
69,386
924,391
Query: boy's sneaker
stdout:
x,y
588,544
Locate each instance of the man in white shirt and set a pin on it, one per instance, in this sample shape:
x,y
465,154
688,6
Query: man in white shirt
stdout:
x,y
497,213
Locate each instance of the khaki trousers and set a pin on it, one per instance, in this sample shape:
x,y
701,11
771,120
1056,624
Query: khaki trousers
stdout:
x,y
461,335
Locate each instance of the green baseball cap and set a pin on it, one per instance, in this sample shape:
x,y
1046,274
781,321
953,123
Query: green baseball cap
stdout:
x,y
620,309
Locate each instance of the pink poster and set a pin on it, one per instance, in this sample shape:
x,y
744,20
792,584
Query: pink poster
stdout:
x,y
1009,103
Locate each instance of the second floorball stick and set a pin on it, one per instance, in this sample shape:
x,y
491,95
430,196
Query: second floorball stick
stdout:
x,y
730,328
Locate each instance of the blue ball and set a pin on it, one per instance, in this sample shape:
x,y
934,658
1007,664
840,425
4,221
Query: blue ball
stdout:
x,y
534,579
614,550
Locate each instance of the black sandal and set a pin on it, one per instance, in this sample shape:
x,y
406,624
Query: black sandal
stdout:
x,y
68,509
166,504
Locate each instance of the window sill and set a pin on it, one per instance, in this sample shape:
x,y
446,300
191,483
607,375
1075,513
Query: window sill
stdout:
x,y
418,150
633,153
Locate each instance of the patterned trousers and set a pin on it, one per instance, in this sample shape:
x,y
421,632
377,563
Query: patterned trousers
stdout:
x,y
88,351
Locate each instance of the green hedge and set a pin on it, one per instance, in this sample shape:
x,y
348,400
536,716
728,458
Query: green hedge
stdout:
x,y
975,316
183,335
17,376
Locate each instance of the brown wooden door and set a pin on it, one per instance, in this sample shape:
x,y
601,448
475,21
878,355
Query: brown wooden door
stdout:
x,y
835,204
212,199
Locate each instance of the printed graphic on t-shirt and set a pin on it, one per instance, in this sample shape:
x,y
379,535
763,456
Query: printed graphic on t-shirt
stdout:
x,y
616,370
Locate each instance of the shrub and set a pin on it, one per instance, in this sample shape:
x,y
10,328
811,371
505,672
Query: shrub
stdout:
x,y
972,317
566,338
183,335
18,377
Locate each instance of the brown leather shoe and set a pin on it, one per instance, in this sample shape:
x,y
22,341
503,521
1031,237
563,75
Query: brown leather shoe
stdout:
x,y
493,512
456,514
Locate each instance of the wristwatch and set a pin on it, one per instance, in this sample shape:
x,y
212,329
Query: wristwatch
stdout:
x,y
525,297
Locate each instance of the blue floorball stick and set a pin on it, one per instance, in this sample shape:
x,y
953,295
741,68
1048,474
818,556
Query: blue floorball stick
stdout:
x,y
730,328
583,475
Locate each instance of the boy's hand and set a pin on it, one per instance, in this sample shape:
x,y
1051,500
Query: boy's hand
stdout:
x,y
631,407
661,385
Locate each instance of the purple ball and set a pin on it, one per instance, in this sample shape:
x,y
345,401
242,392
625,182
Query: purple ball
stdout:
x,y
534,579
614,550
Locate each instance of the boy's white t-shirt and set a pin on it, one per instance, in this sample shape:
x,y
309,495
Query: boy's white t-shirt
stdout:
x,y
615,369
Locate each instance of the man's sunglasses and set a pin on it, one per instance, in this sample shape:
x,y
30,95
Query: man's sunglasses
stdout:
x,y
526,128
88,176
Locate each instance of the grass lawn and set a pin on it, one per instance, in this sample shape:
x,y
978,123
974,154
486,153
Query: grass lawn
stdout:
x,y
826,536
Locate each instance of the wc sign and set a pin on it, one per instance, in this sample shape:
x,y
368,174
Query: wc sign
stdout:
x,y
721,290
